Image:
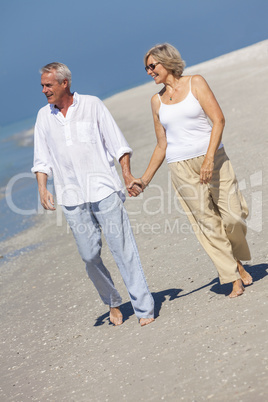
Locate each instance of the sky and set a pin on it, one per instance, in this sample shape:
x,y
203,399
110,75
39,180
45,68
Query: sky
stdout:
x,y
103,42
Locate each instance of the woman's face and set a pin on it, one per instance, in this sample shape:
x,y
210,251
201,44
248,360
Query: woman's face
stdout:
x,y
156,70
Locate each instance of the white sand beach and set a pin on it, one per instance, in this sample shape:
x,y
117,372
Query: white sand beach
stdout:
x,y
56,340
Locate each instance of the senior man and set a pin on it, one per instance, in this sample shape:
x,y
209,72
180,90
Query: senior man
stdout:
x,y
76,140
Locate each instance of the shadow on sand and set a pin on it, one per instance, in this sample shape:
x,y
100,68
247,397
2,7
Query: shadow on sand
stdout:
x,y
257,272
127,310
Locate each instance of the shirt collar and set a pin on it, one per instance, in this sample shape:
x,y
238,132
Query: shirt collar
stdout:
x,y
55,110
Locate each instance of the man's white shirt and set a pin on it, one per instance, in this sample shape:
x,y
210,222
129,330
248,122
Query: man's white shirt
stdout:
x,y
79,150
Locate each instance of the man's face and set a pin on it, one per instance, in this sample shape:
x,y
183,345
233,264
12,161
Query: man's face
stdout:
x,y
53,90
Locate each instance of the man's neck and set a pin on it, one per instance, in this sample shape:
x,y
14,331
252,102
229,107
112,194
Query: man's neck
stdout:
x,y
66,102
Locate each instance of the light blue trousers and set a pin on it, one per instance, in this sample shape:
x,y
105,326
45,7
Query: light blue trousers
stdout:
x,y
109,216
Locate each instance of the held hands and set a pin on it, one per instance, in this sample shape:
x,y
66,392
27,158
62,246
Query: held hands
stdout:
x,y
133,185
206,171
136,183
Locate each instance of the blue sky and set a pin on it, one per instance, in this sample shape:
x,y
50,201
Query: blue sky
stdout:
x,y
103,41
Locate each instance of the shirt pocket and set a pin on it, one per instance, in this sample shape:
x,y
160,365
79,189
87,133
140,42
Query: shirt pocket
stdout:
x,y
87,131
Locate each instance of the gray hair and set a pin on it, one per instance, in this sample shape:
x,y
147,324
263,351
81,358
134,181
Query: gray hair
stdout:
x,y
168,56
62,72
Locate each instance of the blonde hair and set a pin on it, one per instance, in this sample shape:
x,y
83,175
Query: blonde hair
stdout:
x,y
168,56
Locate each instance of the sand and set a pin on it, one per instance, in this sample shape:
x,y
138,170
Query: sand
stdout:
x,y
56,340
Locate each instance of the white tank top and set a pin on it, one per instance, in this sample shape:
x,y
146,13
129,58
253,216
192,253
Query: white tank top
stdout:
x,y
187,129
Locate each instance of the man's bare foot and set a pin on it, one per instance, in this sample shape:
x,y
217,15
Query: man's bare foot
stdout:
x,y
116,316
238,289
245,276
146,321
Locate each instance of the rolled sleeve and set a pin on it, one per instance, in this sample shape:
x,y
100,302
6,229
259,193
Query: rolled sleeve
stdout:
x,y
42,169
122,151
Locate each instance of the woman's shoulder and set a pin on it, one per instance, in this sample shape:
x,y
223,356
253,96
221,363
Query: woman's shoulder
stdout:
x,y
156,102
156,98
198,80
199,85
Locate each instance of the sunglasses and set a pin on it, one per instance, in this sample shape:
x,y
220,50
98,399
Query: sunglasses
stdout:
x,y
151,66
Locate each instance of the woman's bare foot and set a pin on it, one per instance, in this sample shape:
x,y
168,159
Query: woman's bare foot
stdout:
x,y
238,289
146,321
116,316
245,276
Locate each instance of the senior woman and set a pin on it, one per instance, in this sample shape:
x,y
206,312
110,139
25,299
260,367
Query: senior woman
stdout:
x,y
201,172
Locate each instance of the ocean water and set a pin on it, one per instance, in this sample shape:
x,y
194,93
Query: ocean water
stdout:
x,y
19,201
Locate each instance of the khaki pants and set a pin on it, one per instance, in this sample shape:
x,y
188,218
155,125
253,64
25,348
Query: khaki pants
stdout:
x,y
217,211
